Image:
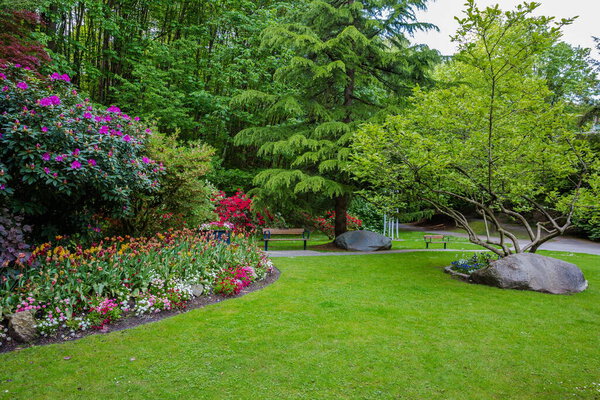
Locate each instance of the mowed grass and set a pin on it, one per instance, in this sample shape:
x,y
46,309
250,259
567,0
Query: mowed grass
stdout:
x,y
390,326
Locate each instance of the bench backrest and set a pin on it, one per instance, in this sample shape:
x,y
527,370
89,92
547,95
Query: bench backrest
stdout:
x,y
293,231
431,237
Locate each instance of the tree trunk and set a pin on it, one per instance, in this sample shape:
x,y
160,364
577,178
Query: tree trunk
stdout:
x,y
341,208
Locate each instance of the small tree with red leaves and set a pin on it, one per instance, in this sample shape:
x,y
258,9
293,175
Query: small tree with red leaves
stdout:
x,y
17,45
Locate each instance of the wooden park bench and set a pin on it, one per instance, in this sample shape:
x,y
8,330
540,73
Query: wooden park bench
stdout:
x,y
436,239
268,234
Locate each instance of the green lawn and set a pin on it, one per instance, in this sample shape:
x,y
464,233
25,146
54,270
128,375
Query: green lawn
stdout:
x,y
351,327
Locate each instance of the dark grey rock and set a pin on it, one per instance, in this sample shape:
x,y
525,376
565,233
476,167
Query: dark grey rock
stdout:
x,y
528,271
21,326
363,241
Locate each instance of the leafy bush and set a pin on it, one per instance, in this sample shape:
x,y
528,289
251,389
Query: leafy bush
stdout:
x,y
62,156
184,197
371,217
81,288
237,210
13,245
473,263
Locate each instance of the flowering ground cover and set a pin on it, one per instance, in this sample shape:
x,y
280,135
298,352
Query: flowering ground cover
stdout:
x,y
369,327
70,288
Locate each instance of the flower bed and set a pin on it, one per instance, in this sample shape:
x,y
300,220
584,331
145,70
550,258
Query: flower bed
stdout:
x,y
73,289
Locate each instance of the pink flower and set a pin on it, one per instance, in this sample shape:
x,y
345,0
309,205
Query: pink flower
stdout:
x,y
145,160
5,88
87,115
91,162
127,138
59,158
49,101
22,85
46,157
103,130
75,164
76,152
136,119
47,170
44,129
2,76
113,109
58,77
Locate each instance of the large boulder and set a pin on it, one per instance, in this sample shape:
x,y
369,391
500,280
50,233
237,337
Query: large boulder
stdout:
x,y
528,271
21,326
363,241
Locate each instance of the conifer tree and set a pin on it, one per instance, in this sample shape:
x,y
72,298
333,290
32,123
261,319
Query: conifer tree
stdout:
x,y
350,61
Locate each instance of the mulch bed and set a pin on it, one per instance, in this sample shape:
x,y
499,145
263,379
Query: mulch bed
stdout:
x,y
131,320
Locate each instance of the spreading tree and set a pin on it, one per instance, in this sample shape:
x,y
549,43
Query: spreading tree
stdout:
x,y
350,61
488,140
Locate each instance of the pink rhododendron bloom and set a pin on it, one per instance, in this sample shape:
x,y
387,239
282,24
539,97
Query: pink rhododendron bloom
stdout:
x,y
44,129
46,157
148,130
87,115
49,101
59,158
47,170
75,164
58,77
145,160
91,162
98,118
76,152
113,109
5,89
127,138
22,85
136,119
2,76
103,130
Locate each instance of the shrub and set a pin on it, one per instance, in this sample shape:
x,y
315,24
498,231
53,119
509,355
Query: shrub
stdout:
x,y
16,42
62,156
237,210
184,197
473,263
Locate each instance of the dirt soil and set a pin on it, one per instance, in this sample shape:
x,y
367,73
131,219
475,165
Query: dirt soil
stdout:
x,y
130,320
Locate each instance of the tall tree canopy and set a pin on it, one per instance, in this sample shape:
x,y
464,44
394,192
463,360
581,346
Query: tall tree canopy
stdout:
x,y
349,60
489,140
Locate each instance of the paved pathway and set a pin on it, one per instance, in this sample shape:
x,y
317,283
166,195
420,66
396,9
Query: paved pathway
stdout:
x,y
563,243
304,253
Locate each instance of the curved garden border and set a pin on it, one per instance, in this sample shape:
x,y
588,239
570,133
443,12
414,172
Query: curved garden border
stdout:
x,y
460,275
132,321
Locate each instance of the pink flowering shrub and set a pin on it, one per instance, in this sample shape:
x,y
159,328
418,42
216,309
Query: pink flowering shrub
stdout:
x,y
237,211
62,155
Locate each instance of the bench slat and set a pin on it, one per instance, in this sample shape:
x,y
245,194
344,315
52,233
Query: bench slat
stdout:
x,y
294,231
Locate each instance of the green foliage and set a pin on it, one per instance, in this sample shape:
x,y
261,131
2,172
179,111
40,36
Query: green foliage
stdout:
x,y
487,138
349,61
371,217
185,195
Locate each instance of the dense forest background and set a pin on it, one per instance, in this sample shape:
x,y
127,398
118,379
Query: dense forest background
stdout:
x,y
183,63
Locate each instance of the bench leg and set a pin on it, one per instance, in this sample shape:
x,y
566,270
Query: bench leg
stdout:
x,y
305,245
266,245
444,246
426,245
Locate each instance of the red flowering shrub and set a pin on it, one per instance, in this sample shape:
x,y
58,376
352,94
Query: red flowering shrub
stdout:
x,y
237,210
327,224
